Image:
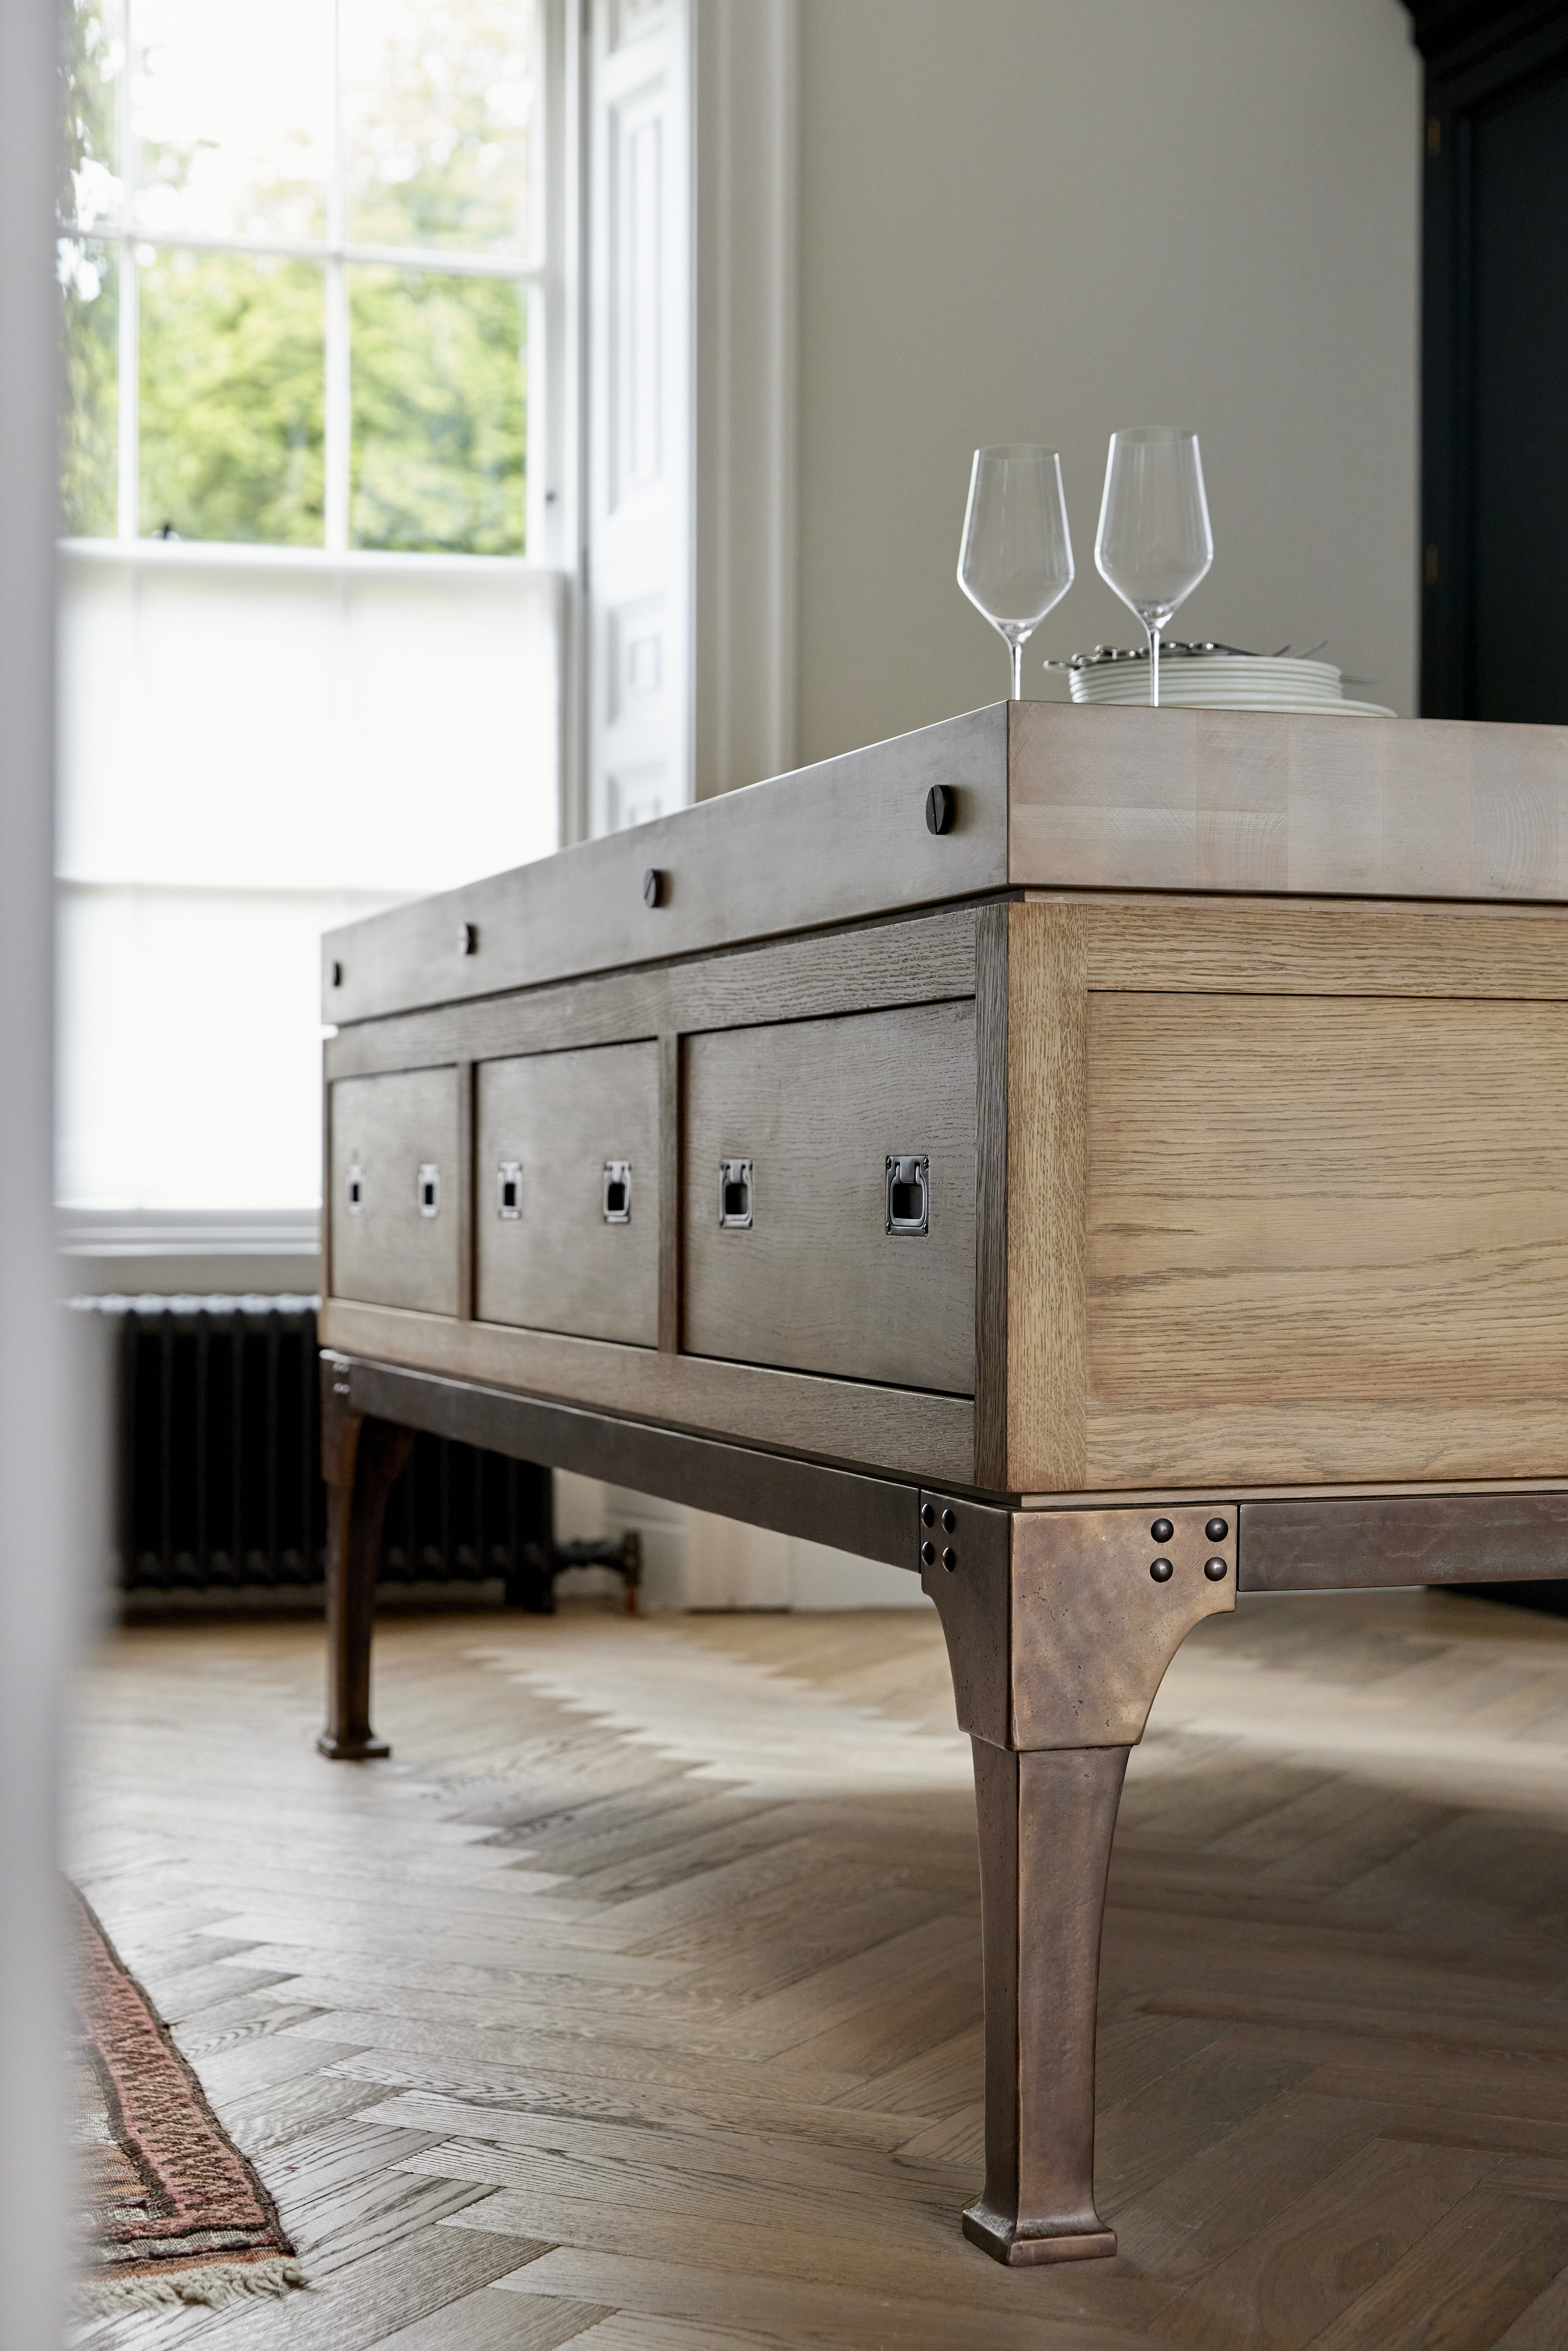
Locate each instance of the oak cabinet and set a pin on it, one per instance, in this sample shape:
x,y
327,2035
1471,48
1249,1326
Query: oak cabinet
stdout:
x,y
994,1156
1146,1187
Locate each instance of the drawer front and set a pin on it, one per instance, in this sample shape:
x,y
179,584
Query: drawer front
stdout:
x,y
393,1185
567,1204
815,1282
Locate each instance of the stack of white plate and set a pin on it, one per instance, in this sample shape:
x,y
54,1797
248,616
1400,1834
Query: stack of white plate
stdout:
x,y
1225,682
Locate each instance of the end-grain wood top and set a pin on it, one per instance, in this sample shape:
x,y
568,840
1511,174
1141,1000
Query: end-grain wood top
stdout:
x,y
1047,795
1230,799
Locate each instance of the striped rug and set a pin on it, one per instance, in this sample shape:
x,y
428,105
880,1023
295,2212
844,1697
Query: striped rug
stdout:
x,y
171,2211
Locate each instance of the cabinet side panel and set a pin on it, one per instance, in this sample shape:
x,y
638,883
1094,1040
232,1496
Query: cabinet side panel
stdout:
x,y
1335,1226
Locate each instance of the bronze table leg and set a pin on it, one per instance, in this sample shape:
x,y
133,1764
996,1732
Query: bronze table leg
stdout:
x,y
1045,1821
1059,1625
360,1459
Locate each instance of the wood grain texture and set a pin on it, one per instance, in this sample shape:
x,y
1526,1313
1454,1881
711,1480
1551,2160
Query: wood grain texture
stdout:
x,y
817,1283
897,1430
991,1196
915,961
1259,801
1322,1199
558,1266
1266,1445
831,843
1278,948
1047,1076
1047,795
390,1127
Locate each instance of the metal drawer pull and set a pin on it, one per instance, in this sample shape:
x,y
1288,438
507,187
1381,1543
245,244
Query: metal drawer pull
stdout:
x,y
735,1194
510,1189
618,1191
356,1188
427,1191
908,1196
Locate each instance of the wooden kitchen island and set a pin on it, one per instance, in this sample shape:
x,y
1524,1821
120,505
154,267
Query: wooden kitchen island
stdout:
x,y
1098,1160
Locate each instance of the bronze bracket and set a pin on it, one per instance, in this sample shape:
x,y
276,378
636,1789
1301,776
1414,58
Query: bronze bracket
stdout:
x,y
1058,1634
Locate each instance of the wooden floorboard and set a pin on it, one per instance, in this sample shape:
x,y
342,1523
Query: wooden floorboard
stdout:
x,y
634,2004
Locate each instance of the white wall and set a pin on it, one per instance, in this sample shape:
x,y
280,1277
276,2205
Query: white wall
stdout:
x,y
1038,220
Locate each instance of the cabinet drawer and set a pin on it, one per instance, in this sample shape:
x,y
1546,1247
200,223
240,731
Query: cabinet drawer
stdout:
x,y
566,1204
393,1190
807,1116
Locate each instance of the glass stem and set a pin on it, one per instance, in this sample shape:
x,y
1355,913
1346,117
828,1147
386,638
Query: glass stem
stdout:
x,y
1016,652
1154,628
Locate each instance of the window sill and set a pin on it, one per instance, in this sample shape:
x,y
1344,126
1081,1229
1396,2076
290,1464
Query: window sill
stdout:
x,y
175,1252
216,555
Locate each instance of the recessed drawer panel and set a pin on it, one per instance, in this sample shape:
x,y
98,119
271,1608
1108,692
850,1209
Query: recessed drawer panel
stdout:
x,y
828,1197
393,1198
567,1207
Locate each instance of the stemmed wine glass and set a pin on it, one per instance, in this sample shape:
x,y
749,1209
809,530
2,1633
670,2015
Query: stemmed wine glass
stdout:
x,y
1016,559
1154,543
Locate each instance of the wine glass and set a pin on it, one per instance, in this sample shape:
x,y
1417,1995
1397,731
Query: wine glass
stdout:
x,y
1154,543
1015,559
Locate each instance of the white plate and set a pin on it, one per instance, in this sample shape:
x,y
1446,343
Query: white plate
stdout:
x,y
1198,689
1306,676
1177,689
1293,706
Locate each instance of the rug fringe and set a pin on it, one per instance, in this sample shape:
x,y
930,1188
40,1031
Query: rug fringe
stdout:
x,y
219,2283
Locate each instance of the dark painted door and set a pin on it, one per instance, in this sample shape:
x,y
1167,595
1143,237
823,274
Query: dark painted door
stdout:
x,y
1494,359
1518,520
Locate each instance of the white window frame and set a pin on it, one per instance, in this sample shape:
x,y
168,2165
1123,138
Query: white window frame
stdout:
x,y
213,1248
542,274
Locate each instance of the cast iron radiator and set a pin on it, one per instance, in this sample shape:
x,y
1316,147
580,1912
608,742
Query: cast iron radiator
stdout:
x,y
218,1453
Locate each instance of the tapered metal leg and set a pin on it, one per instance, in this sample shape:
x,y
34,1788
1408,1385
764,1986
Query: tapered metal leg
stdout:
x,y
1046,1821
360,1460
1059,1628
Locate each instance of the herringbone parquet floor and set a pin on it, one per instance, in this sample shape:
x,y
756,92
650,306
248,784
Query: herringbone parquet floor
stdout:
x,y
635,2004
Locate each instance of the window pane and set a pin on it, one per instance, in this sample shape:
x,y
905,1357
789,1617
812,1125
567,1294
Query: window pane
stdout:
x,y
437,103
92,53
438,375
234,116
232,371
89,427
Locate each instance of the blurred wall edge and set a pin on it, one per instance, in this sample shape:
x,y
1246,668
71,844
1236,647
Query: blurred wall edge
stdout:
x,y
37,1583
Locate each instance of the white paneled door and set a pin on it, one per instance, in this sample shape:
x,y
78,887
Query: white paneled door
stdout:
x,y
638,505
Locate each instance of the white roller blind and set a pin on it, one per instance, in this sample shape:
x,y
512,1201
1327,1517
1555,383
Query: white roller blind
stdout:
x,y
252,752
